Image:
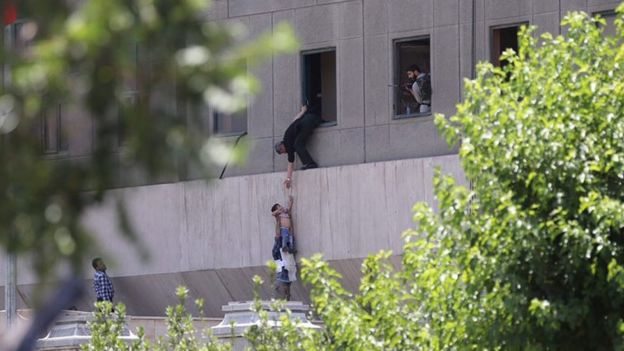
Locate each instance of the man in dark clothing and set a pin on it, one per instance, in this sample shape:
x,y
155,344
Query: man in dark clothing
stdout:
x,y
421,87
295,139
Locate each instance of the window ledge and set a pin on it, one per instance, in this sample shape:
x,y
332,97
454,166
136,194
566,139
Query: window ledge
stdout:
x,y
328,124
412,115
55,155
226,135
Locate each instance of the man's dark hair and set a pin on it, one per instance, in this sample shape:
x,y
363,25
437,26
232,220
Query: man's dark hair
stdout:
x,y
413,68
277,146
274,207
95,261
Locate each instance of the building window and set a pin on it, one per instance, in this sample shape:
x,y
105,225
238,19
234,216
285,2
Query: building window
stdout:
x,y
319,83
503,38
137,70
52,138
609,27
128,107
230,123
412,78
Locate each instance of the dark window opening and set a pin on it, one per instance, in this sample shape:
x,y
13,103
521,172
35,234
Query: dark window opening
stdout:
x,y
233,123
410,53
319,83
134,78
609,28
52,139
128,108
230,124
503,39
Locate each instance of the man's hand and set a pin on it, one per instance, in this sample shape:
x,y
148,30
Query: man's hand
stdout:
x,y
287,183
304,108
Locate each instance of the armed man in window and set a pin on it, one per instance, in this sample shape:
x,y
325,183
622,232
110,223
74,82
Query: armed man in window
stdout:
x,y
421,88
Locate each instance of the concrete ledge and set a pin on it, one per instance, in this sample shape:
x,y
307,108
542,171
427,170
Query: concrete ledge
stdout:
x,y
214,237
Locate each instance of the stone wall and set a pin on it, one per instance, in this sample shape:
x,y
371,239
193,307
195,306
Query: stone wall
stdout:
x,y
213,237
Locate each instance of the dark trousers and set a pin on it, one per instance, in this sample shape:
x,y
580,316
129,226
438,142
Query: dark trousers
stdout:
x,y
280,243
309,122
282,290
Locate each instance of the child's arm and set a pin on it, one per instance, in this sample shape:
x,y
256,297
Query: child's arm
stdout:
x,y
277,226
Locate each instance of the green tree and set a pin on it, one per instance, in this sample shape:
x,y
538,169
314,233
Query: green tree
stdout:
x,y
83,54
107,327
531,256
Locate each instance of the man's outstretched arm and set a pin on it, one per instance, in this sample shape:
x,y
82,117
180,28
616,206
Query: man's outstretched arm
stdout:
x,y
289,174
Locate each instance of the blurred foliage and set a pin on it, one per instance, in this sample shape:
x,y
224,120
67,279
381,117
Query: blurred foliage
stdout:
x,y
142,72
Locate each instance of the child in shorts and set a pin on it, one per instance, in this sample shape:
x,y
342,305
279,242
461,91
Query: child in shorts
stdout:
x,y
284,239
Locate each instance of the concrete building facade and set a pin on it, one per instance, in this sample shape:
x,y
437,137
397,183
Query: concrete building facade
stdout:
x,y
377,158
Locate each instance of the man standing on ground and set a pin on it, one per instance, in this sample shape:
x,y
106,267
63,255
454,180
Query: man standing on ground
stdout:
x,y
421,88
295,139
101,283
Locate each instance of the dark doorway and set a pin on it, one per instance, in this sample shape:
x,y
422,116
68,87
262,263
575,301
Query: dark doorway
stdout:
x,y
503,39
319,83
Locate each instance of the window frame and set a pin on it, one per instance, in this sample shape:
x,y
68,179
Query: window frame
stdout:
x,y
303,81
61,146
216,133
396,80
132,97
499,27
604,14
11,35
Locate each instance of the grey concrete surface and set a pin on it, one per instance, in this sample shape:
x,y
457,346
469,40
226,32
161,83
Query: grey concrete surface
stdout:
x,y
214,237
240,316
363,33
153,326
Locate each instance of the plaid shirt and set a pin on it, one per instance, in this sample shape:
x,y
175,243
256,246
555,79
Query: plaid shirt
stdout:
x,y
103,286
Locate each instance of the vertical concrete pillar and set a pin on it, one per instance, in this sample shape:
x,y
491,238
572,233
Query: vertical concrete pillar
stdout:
x,y
10,288
11,269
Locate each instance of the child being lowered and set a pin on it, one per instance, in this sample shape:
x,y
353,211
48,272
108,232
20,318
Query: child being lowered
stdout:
x,y
284,239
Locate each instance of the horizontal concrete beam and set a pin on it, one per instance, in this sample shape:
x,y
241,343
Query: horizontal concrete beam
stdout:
x,y
214,237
